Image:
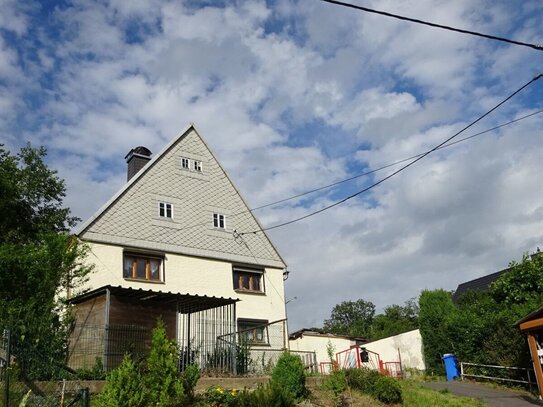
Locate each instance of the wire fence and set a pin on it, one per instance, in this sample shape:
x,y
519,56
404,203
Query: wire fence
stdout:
x,y
28,377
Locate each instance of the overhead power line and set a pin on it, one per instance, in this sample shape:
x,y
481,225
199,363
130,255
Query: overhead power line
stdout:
x,y
538,47
321,188
400,169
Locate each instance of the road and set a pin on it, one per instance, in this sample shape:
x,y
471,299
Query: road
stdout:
x,y
492,397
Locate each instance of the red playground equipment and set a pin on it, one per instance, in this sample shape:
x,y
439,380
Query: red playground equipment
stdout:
x,y
357,357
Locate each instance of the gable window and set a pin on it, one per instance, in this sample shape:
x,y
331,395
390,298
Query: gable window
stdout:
x,y
142,267
185,163
165,210
218,221
253,331
197,166
247,279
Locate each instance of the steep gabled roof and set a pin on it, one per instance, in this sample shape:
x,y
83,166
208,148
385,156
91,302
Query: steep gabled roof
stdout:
x,y
481,283
130,217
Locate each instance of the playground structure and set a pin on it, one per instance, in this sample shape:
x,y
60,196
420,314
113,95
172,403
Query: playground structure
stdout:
x,y
357,357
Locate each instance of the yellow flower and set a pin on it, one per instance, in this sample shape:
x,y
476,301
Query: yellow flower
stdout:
x,y
233,392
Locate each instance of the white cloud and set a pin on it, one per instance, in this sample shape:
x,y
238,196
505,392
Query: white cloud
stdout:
x,y
291,96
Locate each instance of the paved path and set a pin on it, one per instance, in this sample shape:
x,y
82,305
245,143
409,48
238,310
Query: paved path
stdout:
x,y
492,397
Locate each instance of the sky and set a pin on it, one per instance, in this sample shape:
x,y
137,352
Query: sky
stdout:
x,y
291,96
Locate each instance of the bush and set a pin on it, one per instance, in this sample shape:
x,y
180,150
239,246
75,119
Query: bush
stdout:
x,y
124,387
263,396
288,375
387,390
371,382
190,378
162,381
335,382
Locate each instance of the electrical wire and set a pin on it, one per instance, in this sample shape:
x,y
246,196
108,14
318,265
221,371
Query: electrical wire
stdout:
x,y
400,169
445,27
161,232
387,165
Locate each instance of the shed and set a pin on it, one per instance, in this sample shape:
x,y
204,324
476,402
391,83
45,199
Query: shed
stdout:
x,y
532,325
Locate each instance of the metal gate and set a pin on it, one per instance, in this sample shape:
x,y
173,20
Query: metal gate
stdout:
x,y
29,378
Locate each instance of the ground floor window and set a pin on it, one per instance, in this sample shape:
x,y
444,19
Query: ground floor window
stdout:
x,y
253,331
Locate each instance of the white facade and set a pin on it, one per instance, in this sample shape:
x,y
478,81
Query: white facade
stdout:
x,y
407,346
177,226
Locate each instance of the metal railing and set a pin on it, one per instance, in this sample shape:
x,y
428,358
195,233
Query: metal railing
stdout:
x,y
512,374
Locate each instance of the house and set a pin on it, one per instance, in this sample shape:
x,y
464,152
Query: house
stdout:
x,y
481,284
169,244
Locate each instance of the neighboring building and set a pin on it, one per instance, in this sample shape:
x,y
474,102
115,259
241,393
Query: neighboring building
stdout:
x,y
481,284
170,243
309,340
390,354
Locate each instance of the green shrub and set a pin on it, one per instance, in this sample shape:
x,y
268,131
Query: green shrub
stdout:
x,y
288,375
190,378
162,381
335,383
263,396
124,387
387,390
371,382
97,372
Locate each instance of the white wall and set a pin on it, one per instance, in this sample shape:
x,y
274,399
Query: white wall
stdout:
x,y
317,343
409,345
192,275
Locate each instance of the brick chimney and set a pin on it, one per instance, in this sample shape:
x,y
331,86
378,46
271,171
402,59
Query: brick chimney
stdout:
x,y
136,160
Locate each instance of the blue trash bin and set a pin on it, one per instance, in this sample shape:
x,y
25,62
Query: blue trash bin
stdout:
x,y
451,366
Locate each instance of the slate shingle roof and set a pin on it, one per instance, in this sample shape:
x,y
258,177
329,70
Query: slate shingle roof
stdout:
x,y
131,217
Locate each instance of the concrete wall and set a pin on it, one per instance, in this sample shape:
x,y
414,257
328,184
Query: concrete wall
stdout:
x,y
310,342
193,275
409,345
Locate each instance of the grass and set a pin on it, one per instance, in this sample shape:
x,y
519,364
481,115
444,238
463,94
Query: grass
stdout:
x,y
415,395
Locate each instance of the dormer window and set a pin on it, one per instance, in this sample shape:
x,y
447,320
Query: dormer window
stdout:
x,y
218,221
185,163
197,166
165,210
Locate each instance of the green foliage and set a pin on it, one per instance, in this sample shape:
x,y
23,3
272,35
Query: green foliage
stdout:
x,y
155,383
288,375
351,318
436,309
39,262
162,382
97,372
262,396
335,383
190,378
124,387
395,320
32,197
385,389
522,284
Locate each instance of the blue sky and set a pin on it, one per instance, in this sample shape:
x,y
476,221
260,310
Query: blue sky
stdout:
x,y
292,95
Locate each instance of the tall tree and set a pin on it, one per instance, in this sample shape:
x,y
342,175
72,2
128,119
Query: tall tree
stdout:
x,y
395,319
39,261
351,318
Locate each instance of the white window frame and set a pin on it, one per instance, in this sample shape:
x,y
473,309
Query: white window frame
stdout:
x,y
183,160
163,208
219,221
197,165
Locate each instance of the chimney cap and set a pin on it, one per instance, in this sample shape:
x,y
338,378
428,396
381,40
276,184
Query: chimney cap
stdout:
x,y
140,151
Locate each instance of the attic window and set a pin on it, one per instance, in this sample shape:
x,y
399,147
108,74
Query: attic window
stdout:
x,y
218,221
185,163
197,166
165,210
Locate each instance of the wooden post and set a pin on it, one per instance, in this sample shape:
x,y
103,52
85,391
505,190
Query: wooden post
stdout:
x,y
537,363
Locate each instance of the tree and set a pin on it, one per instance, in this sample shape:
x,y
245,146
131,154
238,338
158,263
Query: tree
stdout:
x,y
38,259
352,318
395,319
436,309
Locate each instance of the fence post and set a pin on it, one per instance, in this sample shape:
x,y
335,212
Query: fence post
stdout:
x,y
7,337
85,397
462,371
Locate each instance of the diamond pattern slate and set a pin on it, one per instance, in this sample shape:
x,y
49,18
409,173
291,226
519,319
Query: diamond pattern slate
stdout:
x,y
133,220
